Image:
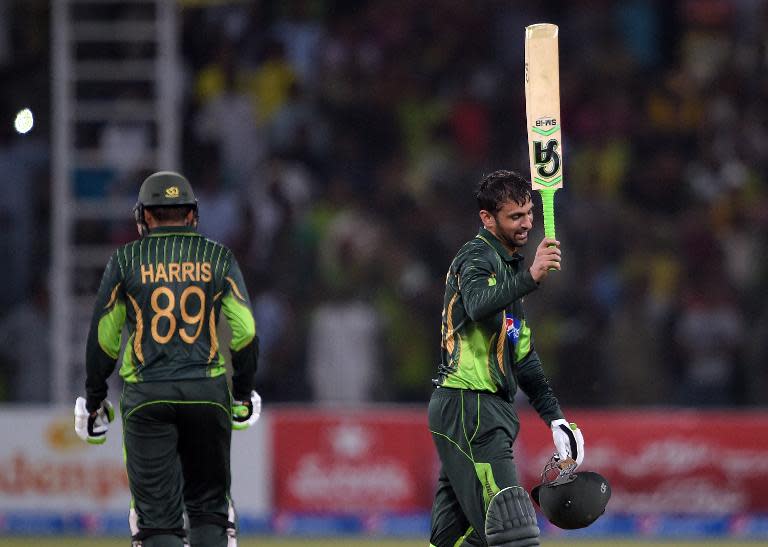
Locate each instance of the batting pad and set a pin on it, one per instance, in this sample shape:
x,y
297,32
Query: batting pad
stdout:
x,y
511,519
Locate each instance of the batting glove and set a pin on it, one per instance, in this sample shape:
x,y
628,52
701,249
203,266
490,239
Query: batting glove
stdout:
x,y
92,427
569,441
245,413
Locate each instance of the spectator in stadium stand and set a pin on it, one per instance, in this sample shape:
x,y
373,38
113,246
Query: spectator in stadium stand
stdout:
x,y
710,332
24,361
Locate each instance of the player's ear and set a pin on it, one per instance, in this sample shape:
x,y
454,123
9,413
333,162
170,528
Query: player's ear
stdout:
x,y
489,221
189,220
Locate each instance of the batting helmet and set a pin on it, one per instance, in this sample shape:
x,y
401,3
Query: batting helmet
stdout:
x,y
572,500
164,189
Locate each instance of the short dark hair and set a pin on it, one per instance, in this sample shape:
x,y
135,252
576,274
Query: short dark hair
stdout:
x,y
175,213
501,186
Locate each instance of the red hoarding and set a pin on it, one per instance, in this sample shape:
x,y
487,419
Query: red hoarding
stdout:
x,y
383,460
670,461
352,461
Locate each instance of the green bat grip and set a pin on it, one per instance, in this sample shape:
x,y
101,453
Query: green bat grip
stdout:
x,y
548,208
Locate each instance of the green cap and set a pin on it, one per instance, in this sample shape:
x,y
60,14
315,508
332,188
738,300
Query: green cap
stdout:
x,y
166,189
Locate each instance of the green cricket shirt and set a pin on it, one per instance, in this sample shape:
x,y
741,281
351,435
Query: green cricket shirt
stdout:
x,y
486,343
169,288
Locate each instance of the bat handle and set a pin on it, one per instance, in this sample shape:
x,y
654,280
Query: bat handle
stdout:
x,y
548,208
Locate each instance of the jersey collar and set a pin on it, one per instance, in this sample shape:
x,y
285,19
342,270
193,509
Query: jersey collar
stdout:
x,y
172,230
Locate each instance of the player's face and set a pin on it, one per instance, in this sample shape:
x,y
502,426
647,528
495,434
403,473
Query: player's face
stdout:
x,y
511,223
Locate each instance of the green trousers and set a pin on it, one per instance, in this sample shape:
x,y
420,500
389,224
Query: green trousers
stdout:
x,y
473,433
177,437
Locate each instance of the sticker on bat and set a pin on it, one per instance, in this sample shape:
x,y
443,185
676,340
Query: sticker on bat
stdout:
x,y
547,160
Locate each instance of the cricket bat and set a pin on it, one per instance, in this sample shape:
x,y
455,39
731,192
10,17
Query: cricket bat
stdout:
x,y
542,109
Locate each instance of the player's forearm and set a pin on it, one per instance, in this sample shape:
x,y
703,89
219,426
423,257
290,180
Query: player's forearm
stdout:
x,y
99,367
103,344
482,299
244,365
101,353
533,382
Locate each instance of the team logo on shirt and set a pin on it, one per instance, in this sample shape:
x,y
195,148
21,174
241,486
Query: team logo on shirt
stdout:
x,y
513,328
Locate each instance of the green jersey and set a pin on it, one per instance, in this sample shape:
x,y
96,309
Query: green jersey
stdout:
x,y
486,342
169,288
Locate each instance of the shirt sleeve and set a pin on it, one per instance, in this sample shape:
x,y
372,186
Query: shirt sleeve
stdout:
x,y
236,307
103,344
533,382
483,295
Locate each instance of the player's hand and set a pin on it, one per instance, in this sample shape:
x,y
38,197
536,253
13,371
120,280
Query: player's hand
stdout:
x,y
547,258
245,413
569,441
92,427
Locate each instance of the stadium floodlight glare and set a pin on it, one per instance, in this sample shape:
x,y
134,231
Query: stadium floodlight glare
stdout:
x,y
24,121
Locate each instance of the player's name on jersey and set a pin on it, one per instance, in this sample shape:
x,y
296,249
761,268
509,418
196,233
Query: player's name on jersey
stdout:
x,y
176,271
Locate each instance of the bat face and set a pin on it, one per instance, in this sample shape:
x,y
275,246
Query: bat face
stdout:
x,y
542,106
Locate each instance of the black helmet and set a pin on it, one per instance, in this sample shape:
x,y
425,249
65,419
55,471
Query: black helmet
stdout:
x,y
164,189
572,500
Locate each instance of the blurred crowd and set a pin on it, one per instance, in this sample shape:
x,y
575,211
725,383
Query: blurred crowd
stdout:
x,y
335,146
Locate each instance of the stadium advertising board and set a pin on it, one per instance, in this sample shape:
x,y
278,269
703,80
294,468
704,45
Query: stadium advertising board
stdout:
x,y
671,471
663,462
658,462
51,482
44,466
361,461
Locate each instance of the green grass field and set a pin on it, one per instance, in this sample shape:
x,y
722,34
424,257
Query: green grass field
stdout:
x,y
362,542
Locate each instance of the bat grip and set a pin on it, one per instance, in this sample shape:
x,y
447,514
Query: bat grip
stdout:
x,y
548,209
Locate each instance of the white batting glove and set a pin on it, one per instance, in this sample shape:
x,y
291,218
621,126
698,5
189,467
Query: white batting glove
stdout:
x,y
569,441
245,413
92,428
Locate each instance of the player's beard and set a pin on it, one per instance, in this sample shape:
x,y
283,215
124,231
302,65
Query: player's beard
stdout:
x,y
511,240
521,242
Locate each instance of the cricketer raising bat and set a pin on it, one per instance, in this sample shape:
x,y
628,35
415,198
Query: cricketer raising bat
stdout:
x,y
542,109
